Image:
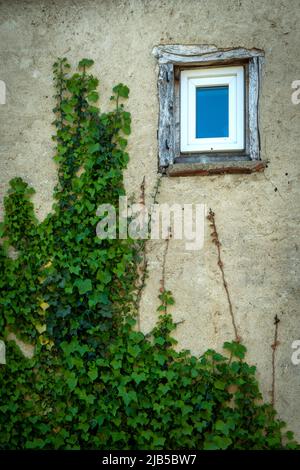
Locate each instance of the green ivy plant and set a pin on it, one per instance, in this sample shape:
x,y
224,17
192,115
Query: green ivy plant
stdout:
x,y
95,382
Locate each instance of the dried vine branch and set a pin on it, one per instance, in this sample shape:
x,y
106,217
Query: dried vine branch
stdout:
x,y
274,347
165,296
163,274
142,187
216,241
143,266
154,199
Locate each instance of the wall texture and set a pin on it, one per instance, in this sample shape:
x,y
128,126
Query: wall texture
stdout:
x,y
257,215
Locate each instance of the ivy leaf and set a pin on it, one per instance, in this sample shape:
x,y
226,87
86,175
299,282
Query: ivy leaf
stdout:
x,y
118,436
138,378
69,118
236,349
67,108
74,346
100,420
219,384
44,305
223,427
134,350
290,435
146,434
95,298
41,328
160,358
160,341
187,409
116,364
71,380
92,148
128,397
121,90
93,96
84,285
158,441
214,442
2,229
235,367
93,373
85,63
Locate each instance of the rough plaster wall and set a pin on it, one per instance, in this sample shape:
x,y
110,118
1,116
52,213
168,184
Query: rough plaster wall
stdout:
x,y
258,226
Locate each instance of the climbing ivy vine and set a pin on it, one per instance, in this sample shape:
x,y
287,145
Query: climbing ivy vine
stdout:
x,y
95,382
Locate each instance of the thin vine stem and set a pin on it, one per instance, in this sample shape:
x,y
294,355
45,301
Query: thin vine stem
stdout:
x,y
216,241
274,348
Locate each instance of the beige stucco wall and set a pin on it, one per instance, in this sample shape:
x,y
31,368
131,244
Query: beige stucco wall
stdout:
x,y
258,226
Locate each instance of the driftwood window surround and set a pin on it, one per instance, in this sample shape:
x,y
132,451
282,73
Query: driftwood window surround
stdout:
x,y
172,59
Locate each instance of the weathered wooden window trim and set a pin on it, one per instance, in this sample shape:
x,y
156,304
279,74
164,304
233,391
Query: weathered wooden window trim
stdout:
x,y
171,60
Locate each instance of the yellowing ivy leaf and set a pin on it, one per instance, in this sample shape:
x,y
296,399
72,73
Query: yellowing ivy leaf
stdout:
x,y
47,265
41,328
44,305
46,342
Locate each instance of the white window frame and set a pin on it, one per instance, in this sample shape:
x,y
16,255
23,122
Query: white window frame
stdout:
x,y
190,80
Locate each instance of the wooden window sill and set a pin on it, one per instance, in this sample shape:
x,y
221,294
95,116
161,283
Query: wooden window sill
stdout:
x,y
222,168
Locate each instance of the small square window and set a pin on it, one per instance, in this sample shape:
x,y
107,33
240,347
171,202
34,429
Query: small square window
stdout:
x,y
212,109
208,107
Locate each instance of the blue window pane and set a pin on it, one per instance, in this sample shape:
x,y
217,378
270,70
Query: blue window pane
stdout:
x,y
212,113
